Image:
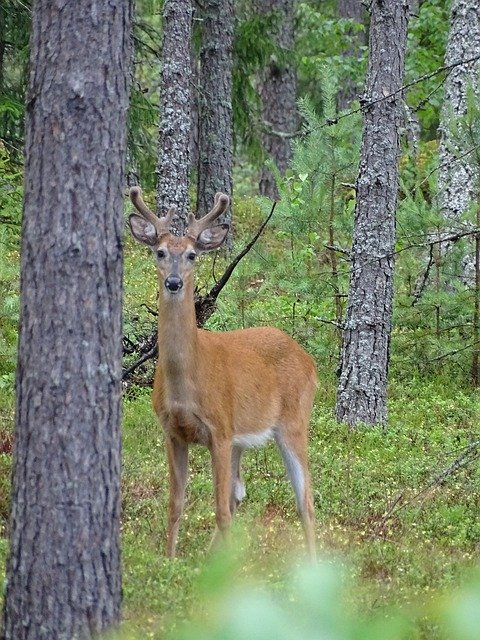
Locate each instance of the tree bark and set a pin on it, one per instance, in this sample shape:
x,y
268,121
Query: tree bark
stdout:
x,y
175,117
457,179
215,126
362,388
278,92
63,573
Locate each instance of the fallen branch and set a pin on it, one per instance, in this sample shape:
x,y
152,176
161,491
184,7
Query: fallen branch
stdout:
x,y
152,353
468,455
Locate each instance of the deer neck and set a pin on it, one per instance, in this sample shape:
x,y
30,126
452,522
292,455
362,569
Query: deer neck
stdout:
x,y
177,345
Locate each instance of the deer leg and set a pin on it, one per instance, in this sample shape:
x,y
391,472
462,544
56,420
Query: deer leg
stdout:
x,y
294,454
222,477
177,453
237,492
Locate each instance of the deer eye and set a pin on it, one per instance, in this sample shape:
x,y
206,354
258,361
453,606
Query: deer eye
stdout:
x,y
161,253
191,256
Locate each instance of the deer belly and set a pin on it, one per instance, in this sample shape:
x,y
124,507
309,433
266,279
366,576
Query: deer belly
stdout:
x,y
251,440
187,427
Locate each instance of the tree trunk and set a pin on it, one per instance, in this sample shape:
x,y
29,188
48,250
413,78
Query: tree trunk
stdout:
x,y
215,126
278,92
175,119
362,387
354,10
63,573
456,178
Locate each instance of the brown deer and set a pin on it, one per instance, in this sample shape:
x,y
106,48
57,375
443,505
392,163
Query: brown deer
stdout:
x,y
227,391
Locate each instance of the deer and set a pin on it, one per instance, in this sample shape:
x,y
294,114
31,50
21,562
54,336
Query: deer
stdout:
x,y
228,391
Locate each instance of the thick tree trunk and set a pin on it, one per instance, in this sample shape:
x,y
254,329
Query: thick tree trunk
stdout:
x,y
175,118
457,179
278,91
63,574
215,124
365,351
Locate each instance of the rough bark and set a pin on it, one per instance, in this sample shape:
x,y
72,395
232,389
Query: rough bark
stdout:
x,y
175,118
362,387
215,117
278,92
457,179
63,573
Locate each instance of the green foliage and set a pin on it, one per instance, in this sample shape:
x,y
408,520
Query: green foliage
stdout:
x,y
427,38
14,35
10,207
144,113
317,605
253,46
308,278
321,42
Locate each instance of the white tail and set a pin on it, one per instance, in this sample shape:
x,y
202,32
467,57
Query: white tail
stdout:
x,y
228,391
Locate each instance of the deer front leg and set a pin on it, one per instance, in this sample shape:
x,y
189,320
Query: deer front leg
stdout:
x,y
177,453
222,478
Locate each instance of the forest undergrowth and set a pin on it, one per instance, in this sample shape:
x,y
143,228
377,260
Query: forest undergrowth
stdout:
x,y
396,509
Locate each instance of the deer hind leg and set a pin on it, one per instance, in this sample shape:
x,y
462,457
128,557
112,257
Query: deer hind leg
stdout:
x,y
237,491
294,454
177,453
222,478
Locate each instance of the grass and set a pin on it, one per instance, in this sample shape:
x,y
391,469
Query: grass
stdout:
x,y
401,538
401,545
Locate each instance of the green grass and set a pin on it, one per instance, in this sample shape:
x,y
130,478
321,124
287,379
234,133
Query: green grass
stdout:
x,y
422,548
401,540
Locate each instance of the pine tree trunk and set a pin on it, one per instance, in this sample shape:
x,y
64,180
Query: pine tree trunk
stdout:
x,y
175,117
457,176
63,574
278,92
362,387
215,126
354,10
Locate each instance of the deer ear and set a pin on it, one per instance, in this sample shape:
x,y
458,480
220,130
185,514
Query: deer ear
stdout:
x,y
212,238
142,230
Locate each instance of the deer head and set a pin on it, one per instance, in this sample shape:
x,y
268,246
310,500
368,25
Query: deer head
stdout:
x,y
176,255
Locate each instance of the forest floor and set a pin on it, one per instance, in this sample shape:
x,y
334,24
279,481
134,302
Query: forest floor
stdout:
x,y
397,510
402,534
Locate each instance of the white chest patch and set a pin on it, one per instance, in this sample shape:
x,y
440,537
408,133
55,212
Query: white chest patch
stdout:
x,y
251,440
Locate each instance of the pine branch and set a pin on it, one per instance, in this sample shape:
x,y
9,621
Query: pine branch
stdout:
x,y
365,104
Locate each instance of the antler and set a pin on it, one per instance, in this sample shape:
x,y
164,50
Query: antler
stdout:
x,y
162,225
195,227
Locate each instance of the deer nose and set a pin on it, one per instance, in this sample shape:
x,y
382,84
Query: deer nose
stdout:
x,y
173,283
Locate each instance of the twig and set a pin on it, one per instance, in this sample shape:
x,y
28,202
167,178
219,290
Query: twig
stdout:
x,y
152,353
366,104
455,351
418,293
215,290
468,455
332,247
